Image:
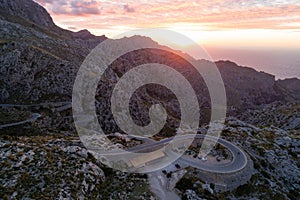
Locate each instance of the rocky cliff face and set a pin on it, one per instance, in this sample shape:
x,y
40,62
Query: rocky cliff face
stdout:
x,y
291,87
38,60
28,10
246,86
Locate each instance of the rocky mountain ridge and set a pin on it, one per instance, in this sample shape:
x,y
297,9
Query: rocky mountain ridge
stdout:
x,y
34,49
28,10
39,63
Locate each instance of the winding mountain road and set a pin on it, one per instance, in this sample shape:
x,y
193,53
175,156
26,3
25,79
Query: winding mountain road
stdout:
x,y
33,118
239,158
238,162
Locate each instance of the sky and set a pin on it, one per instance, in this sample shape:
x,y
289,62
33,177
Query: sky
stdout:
x,y
221,26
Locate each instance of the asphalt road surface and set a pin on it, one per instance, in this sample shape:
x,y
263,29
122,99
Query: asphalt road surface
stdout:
x,y
239,158
33,118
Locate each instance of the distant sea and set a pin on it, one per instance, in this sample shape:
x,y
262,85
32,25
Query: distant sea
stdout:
x,y
281,63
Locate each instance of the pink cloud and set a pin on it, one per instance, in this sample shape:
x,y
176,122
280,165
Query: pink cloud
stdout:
x,y
218,14
71,7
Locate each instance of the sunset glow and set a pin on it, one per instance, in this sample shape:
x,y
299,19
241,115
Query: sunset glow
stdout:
x,y
228,29
224,23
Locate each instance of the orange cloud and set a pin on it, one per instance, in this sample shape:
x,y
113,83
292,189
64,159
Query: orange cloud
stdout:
x,y
193,17
219,13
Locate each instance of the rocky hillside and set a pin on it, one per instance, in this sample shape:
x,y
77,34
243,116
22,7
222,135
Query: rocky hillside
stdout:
x,y
290,86
48,167
275,154
285,116
38,60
